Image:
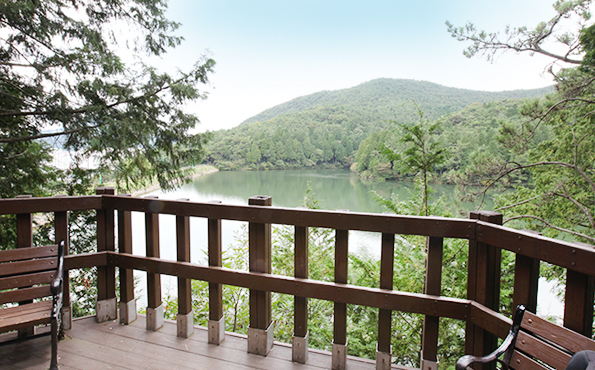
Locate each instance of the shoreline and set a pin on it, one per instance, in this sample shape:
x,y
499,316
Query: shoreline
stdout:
x,y
155,187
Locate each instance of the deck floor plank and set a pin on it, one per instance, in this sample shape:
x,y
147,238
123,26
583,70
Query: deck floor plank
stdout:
x,y
89,346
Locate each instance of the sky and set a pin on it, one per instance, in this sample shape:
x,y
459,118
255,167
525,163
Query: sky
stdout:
x,y
271,51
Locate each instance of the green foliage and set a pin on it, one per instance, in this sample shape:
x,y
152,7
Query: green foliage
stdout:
x,y
470,136
422,153
325,129
82,232
63,77
559,198
564,29
559,194
364,270
410,261
65,85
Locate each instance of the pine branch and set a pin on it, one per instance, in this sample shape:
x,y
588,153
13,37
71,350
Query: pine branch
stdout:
x,y
551,226
42,136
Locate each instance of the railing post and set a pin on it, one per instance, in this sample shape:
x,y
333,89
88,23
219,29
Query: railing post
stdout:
x,y
260,332
483,286
526,281
216,317
61,233
578,302
127,300
154,306
25,240
185,317
299,351
432,286
106,275
339,360
387,258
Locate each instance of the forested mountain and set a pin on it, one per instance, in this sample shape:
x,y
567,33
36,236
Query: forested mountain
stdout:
x,y
388,96
325,129
469,137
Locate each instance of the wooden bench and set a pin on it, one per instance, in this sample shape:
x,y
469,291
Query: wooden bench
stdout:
x,y
27,276
533,344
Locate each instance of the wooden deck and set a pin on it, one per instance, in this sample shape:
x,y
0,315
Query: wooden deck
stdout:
x,y
110,345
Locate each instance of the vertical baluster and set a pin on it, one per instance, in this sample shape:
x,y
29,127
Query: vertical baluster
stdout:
x,y
483,286
339,361
433,285
383,351
25,240
300,335
526,281
154,306
106,275
185,317
216,317
260,332
61,233
127,300
578,302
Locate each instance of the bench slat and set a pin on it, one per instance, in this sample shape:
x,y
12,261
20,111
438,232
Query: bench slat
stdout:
x,y
26,308
26,280
541,350
30,315
25,294
21,254
23,267
559,335
520,361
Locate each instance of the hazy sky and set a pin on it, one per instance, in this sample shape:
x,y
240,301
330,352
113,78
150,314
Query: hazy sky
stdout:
x,y
271,51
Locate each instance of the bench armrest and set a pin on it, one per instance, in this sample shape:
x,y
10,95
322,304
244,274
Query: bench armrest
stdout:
x,y
57,285
506,348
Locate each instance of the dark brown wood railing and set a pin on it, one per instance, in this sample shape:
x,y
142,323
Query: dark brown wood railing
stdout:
x,y
487,238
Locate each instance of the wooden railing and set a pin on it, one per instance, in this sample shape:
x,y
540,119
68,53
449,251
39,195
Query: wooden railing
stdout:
x,y
487,238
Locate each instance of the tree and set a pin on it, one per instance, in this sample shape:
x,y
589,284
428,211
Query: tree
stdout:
x,y
560,195
63,77
531,40
422,153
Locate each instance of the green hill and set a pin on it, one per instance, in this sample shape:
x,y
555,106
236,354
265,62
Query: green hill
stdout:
x,y
325,129
379,94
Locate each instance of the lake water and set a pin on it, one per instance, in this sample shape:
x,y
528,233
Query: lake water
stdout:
x,y
335,189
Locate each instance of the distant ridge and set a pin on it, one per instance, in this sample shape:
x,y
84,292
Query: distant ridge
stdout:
x,y
383,91
326,129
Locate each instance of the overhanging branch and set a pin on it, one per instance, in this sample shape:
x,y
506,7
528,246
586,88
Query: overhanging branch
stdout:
x,y
42,136
551,226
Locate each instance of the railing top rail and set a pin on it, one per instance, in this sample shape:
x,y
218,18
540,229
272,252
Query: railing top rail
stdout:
x,y
384,223
574,256
50,204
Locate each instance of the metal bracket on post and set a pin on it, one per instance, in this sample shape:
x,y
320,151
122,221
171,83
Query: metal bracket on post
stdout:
x,y
127,312
383,359
428,365
299,349
66,318
260,342
155,318
185,324
106,310
217,331
339,361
